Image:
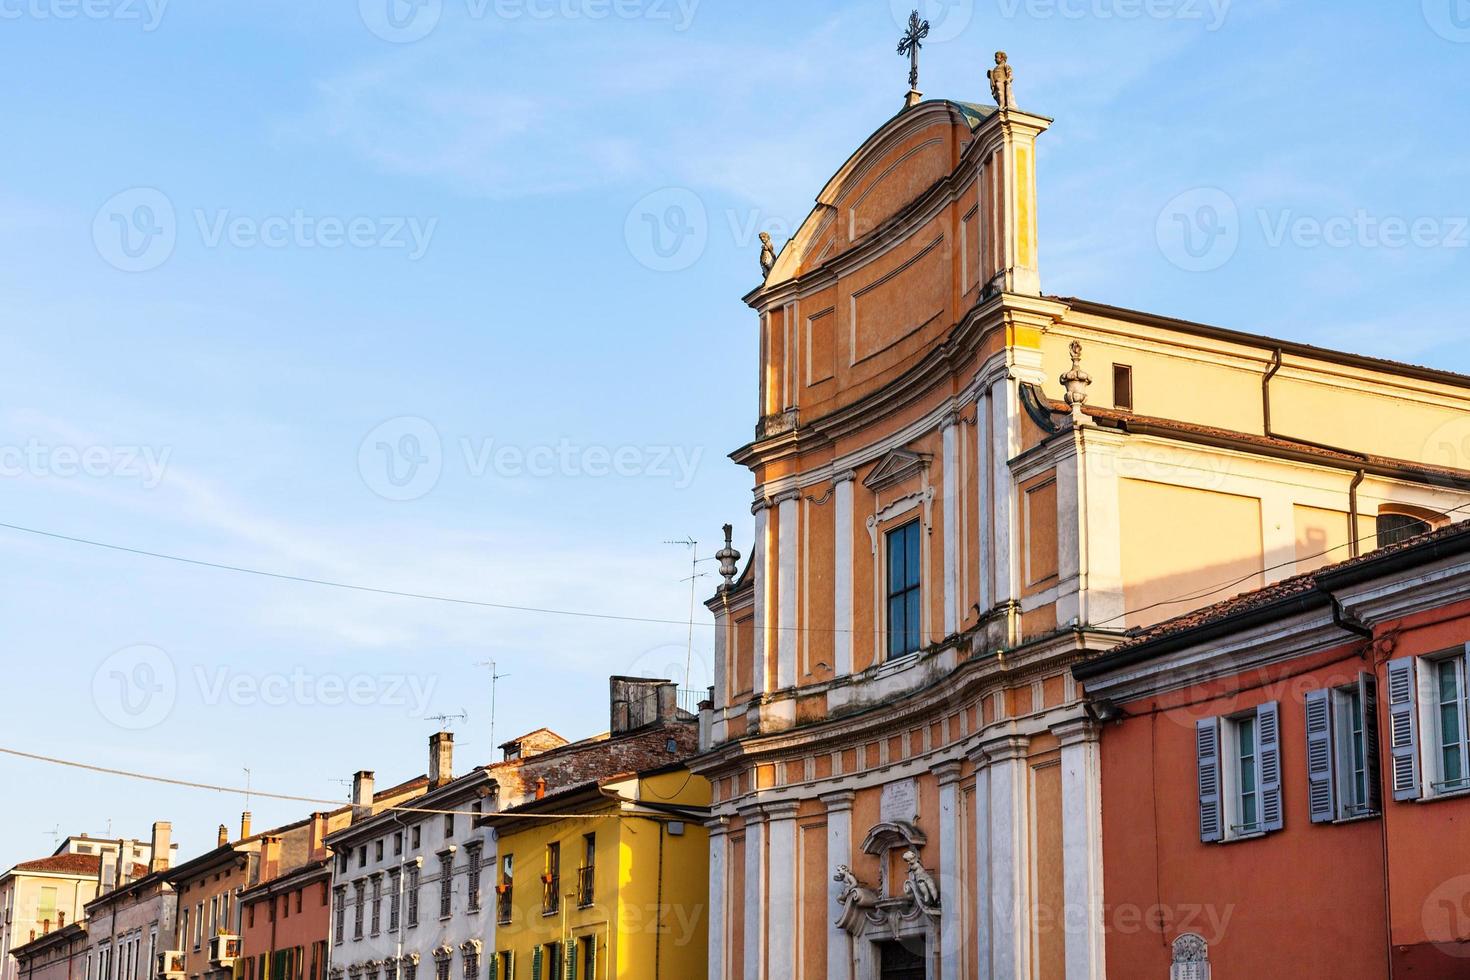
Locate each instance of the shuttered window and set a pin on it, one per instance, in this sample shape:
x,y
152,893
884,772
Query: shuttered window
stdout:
x,y
1342,751
1428,734
1239,774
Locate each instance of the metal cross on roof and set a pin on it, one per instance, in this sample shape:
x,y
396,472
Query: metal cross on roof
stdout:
x,y
910,44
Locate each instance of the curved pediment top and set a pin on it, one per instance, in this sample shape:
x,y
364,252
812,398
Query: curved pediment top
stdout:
x,y
908,153
922,116
884,837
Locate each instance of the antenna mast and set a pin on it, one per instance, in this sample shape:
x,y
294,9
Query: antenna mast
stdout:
x,y
494,676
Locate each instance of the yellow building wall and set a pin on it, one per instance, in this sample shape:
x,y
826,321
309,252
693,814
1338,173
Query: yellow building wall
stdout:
x,y
1179,544
645,903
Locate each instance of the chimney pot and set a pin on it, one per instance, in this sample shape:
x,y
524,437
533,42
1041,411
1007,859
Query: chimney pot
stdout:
x,y
245,825
441,759
540,787
362,795
224,835
318,836
161,846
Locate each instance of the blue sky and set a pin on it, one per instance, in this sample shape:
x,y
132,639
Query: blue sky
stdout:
x,y
449,303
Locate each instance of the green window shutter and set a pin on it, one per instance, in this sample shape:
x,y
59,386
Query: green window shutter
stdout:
x,y
536,964
494,966
571,959
1321,798
1207,757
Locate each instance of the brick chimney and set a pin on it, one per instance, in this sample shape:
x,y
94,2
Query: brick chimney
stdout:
x,y
637,702
245,825
362,795
224,835
318,837
162,846
270,857
441,759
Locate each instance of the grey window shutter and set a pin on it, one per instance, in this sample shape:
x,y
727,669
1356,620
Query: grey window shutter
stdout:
x,y
1207,754
1368,695
1403,728
1321,791
1268,724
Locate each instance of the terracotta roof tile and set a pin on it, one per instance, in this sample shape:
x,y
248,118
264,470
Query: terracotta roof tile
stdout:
x,y
75,864
1276,592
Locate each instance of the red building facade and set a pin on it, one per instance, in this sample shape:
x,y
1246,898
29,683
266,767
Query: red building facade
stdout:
x,y
1285,777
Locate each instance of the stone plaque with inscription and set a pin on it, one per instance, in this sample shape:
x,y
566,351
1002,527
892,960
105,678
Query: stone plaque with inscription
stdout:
x,y
900,802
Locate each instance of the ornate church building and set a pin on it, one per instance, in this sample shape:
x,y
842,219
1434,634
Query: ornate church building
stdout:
x,y
963,486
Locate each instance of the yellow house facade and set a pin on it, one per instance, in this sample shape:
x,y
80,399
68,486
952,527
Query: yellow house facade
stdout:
x,y
604,880
963,485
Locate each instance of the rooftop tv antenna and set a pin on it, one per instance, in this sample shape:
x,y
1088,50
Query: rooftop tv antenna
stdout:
x,y
246,770
495,676
694,576
444,720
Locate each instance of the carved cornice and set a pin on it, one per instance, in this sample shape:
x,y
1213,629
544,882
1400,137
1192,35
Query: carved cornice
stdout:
x,y
838,802
1006,748
948,773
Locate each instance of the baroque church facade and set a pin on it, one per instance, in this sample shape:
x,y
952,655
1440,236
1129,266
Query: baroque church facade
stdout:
x,y
963,486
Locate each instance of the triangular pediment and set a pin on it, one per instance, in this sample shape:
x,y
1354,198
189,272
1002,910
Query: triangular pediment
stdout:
x,y
897,465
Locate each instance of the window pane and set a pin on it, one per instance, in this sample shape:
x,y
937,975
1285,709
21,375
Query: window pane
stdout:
x,y
912,618
912,535
1452,763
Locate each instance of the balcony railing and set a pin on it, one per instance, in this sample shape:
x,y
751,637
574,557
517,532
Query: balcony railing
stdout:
x,y
503,905
550,894
585,889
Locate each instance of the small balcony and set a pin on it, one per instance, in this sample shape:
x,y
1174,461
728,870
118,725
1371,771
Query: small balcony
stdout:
x,y
550,894
503,904
224,950
586,886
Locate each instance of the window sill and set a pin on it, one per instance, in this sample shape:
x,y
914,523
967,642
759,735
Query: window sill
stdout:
x,y
1359,817
1435,796
1241,838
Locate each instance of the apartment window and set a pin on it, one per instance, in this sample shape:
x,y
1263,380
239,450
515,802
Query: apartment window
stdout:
x,y
1393,528
395,883
442,965
471,963
377,902
504,890
448,826
342,863
1427,715
410,968
587,947
505,966
446,885
198,926
1342,751
587,873
1239,774
416,837
378,850
1123,387
398,844
357,912
472,877
551,881
340,914
250,914
362,856
551,957
904,616
299,893
413,896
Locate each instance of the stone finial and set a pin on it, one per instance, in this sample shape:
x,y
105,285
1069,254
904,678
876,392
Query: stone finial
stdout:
x,y
768,254
728,558
1001,77
1076,381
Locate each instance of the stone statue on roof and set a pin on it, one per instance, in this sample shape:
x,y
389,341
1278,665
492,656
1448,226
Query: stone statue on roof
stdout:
x,y
1001,77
